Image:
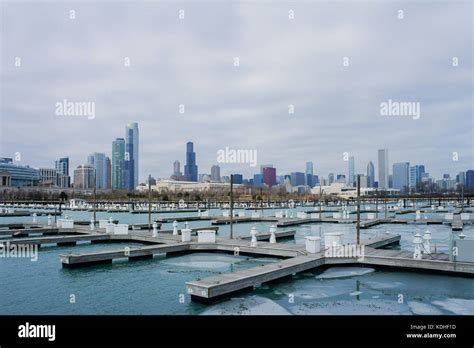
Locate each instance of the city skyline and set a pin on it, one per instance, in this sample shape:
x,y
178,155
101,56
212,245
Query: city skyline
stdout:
x,y
335,109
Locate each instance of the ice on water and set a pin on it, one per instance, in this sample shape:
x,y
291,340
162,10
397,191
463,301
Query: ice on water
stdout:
x,y
203,261
456,305
252,305
344,272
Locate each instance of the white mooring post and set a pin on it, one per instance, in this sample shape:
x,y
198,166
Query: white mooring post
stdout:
x,y
272,234
418,241
50,220
426,242
34,217
155,229
253,233
92,224
175,228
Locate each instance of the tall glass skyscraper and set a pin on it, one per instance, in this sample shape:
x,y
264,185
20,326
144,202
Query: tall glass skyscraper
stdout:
x,y
351,176
415,175
370,174
401,176
309,174
383,169
62,170
118,163
132,156
190,168
99,163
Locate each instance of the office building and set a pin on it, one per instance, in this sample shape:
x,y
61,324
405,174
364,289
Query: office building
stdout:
x,y
401,176
84,177
118,163
190,168
269,176
383,169
370,174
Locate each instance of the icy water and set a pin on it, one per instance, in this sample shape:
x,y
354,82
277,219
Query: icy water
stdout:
x,y
157,286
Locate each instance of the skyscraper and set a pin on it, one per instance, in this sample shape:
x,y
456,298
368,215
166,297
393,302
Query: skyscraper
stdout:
x,y
470,179
109,172
84,177
216,173
98,162
415,175
190,169
401,172
62,170
131,147
383,169
309,174
118,163
370,174
330,178
176,168
351,176
297,179
238,178
269,176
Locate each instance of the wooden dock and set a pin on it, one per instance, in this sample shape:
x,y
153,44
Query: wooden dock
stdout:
x,y
291,258
215,288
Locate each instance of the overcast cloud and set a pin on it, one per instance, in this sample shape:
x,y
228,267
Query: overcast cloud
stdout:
x,y
190,61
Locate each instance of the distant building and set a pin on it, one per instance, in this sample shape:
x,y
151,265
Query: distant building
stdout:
x,y
84,177
363,181
258,180
238,178
370,174
5,179
351,170
340,179
18,175
401,172
461,178
48,176
416,173
99,162
177,168
118,163
131,164
215,173
190,168
62,170
109,172
269,176
297,179
315,180
309,174
383,168
330,178
470,179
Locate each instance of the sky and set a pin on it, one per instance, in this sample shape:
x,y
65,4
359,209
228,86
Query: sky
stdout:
x,y
335,62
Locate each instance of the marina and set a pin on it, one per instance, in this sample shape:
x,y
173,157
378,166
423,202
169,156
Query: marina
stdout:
x,y
290,257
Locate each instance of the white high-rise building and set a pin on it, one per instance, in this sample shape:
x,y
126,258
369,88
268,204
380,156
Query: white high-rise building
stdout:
x,y
383,169
351,176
